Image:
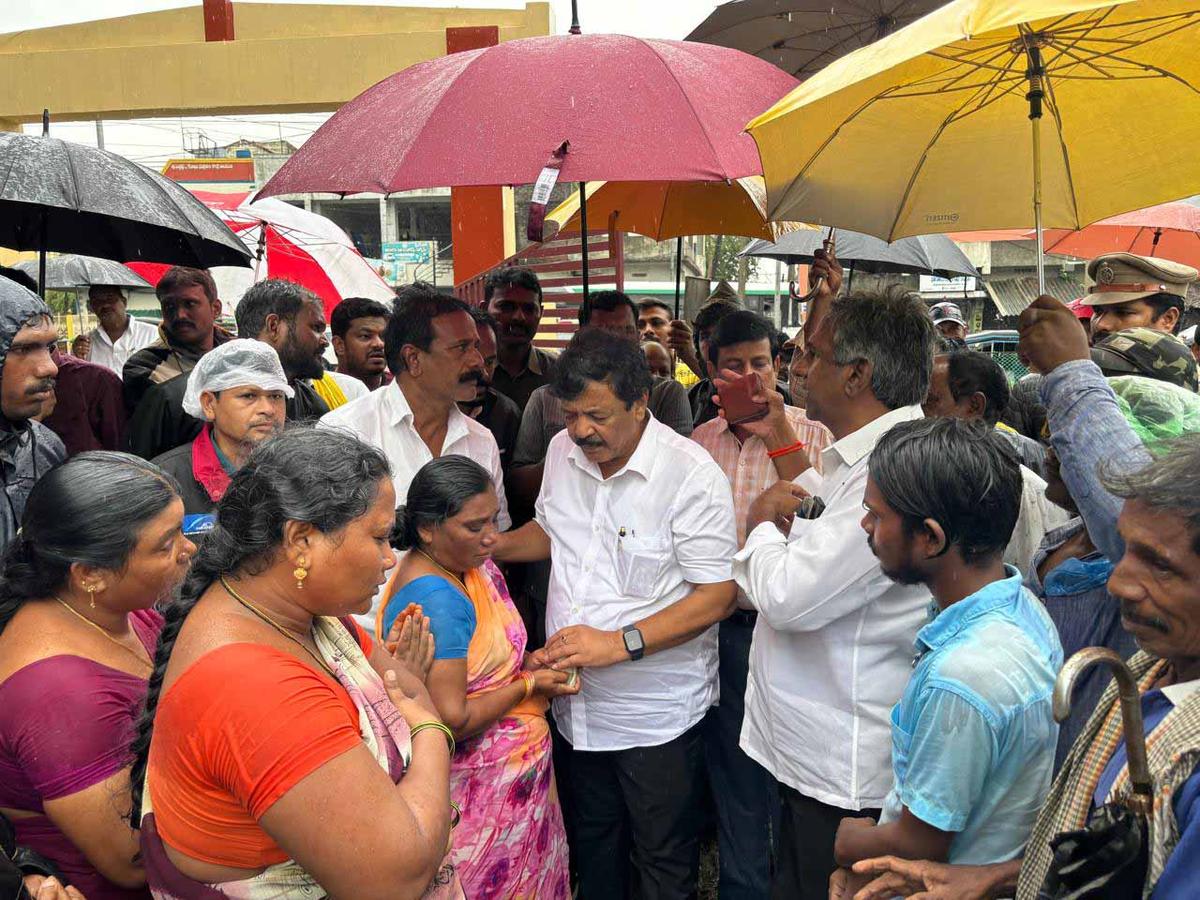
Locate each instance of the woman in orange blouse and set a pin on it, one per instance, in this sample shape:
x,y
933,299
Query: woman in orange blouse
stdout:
x,y
282,753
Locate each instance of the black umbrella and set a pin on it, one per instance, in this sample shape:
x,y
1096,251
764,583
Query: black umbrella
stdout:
x,y
804,36
55,195
931,254
65,273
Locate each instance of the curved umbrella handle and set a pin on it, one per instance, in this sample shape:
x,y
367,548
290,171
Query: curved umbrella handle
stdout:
x,y
1141,801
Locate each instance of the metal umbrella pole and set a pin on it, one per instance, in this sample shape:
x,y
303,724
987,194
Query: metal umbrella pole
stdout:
x,y
43,238
678,270
1035,96
583,235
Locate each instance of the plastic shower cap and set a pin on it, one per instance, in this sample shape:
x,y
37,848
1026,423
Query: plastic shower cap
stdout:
x,y
1156,410
235,364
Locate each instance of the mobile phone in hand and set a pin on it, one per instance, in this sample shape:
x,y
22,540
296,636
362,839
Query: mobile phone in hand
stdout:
x,y
736,399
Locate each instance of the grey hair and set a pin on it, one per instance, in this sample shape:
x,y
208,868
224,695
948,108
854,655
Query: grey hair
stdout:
x,y
891,330
1167,483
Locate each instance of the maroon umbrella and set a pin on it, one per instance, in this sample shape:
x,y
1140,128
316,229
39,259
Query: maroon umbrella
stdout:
x,y
624,109
648,110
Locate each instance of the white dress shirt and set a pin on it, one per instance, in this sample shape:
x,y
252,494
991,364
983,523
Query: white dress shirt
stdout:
x,y
624,548
383,419
833,646
113,355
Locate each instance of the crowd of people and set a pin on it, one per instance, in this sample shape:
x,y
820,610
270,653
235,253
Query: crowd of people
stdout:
x,y
463,617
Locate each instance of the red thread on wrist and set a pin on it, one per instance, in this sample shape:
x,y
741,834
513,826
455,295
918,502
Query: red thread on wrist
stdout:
x,y
784,451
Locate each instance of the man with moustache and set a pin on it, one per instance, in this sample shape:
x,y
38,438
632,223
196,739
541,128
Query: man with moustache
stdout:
x,y
483,403
238,390
513,297
433,351
118,335
28,449
639,522
153,396
1157,581
357,325
190,308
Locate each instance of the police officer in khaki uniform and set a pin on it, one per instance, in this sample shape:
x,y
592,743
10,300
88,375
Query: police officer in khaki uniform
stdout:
x,y
1130,291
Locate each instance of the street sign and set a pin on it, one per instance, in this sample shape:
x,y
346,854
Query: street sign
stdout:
x,y
413,253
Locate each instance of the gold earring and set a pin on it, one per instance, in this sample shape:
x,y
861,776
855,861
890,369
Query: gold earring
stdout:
x,y
91,592
300,574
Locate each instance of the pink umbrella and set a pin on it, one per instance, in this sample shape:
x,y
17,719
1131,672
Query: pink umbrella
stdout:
x,y
632,109
586,107
1169,230
287,242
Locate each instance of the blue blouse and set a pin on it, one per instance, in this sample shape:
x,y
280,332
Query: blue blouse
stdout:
x,y
451,615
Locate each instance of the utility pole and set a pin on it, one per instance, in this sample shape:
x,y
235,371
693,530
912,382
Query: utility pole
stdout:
x,y
100,133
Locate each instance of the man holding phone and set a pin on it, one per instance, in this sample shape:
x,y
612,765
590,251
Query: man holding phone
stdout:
x,y
756,440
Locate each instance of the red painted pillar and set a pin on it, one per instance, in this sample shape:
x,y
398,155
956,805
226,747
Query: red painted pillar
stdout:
x,y
218,20
480,217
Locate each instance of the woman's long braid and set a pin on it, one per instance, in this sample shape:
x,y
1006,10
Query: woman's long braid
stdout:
x,y
218,554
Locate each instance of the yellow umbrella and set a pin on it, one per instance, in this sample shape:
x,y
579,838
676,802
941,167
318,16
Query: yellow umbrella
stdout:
x,y
672,209
927,130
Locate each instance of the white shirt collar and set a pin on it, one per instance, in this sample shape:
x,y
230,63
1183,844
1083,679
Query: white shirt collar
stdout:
x,y
640,461
854,446
399,410
1178,693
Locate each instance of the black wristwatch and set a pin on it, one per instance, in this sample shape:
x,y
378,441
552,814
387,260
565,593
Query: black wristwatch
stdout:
x,y
634,645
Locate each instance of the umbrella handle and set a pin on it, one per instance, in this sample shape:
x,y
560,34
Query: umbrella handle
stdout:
x,y
829,245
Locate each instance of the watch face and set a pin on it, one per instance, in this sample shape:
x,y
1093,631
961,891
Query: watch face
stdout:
x,y
633,641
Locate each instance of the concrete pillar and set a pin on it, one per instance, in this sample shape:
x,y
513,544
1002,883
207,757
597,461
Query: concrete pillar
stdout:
x,y
481,218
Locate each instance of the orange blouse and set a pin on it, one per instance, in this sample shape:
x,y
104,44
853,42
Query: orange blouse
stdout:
x,y
235,732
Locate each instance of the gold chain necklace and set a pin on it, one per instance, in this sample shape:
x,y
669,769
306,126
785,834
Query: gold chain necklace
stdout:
x,y
146,661
287,634
456,579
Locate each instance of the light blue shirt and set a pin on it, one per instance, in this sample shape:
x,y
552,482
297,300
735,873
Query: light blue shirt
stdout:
x,y
973,735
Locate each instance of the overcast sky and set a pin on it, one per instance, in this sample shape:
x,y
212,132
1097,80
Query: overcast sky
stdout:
x,y
152,141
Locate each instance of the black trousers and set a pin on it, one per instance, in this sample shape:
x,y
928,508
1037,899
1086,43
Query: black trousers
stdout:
x,y
637,816
807,831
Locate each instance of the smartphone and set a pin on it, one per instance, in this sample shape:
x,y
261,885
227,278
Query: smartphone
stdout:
x,y
736,399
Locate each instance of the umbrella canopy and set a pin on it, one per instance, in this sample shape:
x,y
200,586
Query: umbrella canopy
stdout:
x,y
1169,230
66,273
928,130
64,197
803,36
933,254
295,244
671,209
650,110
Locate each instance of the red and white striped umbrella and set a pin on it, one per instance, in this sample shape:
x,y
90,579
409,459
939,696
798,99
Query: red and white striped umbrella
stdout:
x,y
287,242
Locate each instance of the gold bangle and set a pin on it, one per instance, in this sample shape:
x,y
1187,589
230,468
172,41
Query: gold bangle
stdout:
x,y
437,726
530,684
456,816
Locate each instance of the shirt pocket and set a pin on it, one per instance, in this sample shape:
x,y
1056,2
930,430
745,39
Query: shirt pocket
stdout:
x,y
640,562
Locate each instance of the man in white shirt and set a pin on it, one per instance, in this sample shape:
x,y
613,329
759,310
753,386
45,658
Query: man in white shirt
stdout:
x,y
833,645
432,350
119,335
753,455
638,522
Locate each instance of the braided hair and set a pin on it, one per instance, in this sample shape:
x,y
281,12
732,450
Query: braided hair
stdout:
x,y
325,478
89,510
